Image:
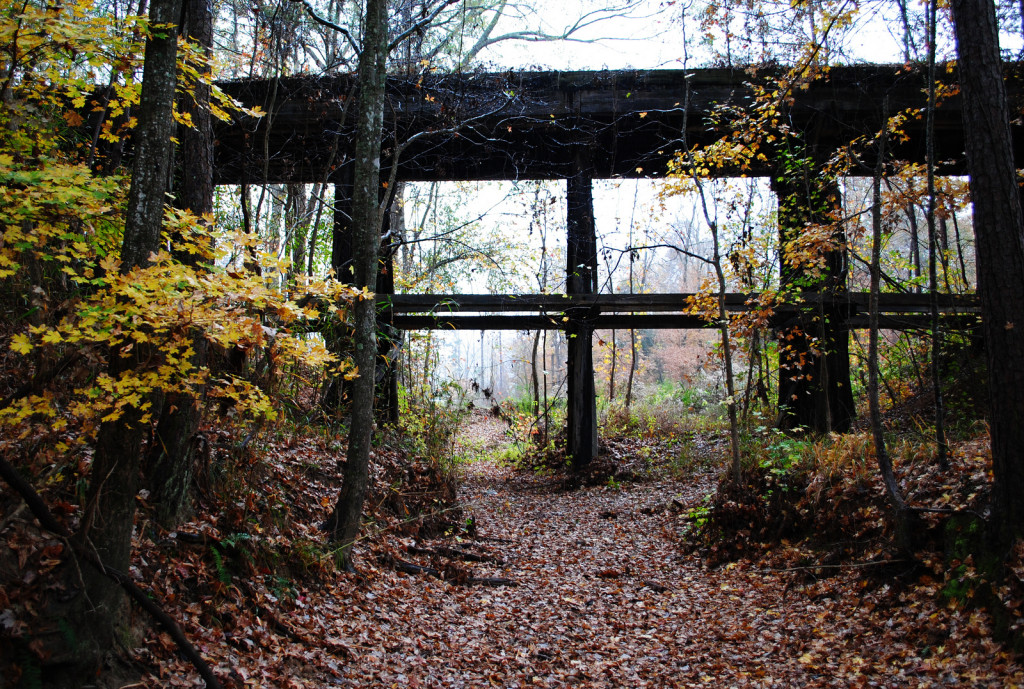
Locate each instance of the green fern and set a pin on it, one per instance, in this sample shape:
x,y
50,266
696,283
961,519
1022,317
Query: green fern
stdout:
x,y
218,562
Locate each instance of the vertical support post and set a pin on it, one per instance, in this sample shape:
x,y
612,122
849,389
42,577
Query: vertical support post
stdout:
x,y
342,261
814,349
388,338
335,334
341,234
581,278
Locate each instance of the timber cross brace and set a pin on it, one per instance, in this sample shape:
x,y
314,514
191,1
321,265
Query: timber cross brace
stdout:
x,y
581,126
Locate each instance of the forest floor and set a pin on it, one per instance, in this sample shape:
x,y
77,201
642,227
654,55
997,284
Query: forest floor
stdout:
x,y
547,587
605,597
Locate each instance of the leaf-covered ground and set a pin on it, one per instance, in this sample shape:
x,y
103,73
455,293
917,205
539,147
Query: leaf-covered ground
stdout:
x,y
603,597
592,587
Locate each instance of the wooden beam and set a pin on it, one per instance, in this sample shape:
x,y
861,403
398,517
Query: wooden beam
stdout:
x,y
581,278
556,304
668,321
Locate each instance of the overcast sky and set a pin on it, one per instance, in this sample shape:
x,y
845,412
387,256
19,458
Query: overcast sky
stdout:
x,y
642,39
650,37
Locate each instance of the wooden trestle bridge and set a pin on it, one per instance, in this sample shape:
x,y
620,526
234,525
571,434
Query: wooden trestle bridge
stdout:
x,y
581,126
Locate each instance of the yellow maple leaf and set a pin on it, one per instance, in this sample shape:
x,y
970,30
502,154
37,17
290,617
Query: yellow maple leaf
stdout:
x,y
110,264
21,344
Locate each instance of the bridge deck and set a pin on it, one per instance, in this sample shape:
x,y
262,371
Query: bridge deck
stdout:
x,y
531,125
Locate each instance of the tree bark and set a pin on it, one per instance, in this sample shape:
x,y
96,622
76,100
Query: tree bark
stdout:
x,y
343,524
934,249
999,229
170,468
108,523
535,376
885,468
297,222
151,168
389,338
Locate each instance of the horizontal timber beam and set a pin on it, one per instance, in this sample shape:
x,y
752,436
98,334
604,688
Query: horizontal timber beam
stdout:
x,y
665,311
671,321
660,302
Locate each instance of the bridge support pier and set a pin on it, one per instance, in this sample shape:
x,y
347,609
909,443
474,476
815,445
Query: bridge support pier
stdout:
x,y
336,335
581,278
814,345
387,338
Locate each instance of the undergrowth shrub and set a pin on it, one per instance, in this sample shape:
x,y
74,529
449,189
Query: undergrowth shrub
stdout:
x,y
429,424
536,441
827,493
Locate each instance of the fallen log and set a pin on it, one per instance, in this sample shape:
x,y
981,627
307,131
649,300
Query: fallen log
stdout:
x,y
492,581
411,568
453,554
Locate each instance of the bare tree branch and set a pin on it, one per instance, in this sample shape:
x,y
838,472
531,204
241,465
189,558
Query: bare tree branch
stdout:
x,y
420,25
673,247
329,24
585,21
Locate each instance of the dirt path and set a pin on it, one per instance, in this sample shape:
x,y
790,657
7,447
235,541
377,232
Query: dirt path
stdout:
x,y
483,433
606,600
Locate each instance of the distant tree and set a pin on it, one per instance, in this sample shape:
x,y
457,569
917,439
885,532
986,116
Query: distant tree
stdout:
x,y
892,487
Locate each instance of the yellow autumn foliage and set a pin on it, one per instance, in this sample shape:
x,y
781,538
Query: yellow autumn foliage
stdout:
x,y
61,217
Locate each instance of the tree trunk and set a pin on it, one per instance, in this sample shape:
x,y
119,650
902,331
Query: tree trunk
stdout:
x,y
169,465
892,488
535,376
297,222
389,339
108,523
915,247
611,373
343,524
632,368
999,229
934,249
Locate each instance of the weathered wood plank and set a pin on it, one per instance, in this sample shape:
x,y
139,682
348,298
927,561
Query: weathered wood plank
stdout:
x,y
581,278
